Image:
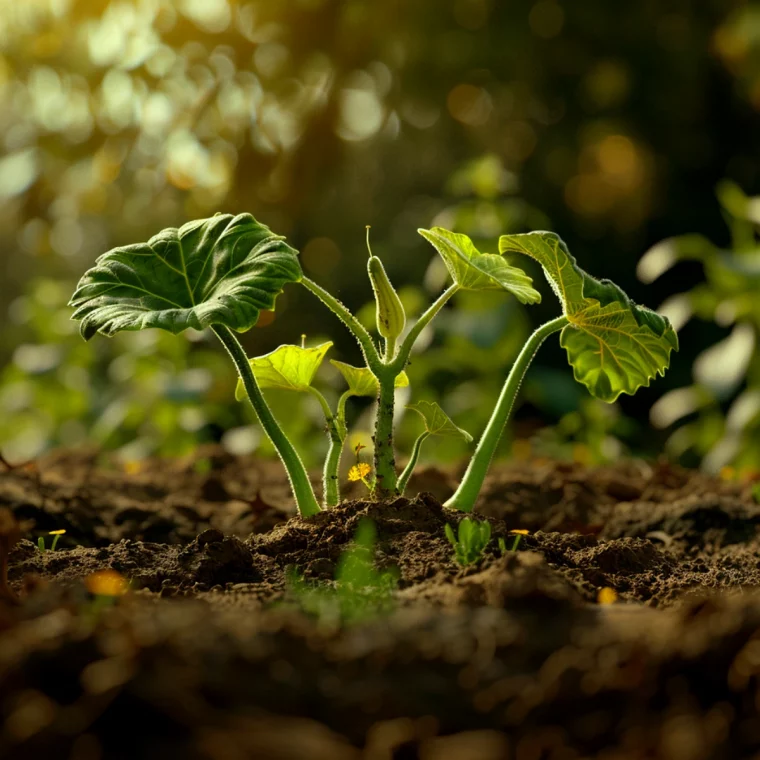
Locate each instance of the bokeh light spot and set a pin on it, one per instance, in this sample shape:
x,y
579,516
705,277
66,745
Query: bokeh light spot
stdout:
x,y
320,255
469,104
546,19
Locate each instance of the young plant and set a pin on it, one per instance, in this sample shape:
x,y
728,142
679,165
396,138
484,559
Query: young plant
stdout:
x,y
470,270
56,534
437,422
518,534
293,368
613,345
360,590
218,273
471,540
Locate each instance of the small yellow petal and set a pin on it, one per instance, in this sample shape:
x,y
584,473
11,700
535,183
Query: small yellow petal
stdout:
x,y
107,583
607,595
133,467
359,471
521,531
56,532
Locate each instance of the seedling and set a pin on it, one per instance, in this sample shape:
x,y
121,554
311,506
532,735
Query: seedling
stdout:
x,y
360,590
470,541
436,422
56,534
613,345
518,534
221,272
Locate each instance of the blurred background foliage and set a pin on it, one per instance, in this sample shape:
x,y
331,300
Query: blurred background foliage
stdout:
x,y
611,125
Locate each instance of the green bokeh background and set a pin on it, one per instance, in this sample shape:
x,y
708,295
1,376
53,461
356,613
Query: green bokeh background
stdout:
x,y
611,124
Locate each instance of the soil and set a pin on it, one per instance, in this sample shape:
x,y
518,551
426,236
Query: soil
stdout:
x,y
520,656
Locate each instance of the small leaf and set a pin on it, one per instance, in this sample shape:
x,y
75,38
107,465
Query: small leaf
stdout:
x,y
359,472
361,382
437,422
289,367
223,270
449,531
473,270
613,345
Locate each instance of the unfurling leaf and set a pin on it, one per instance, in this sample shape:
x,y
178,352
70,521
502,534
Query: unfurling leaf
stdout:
x,y
473,270
223,270
390,316
437,422
289,367
613,345
361,382
359,472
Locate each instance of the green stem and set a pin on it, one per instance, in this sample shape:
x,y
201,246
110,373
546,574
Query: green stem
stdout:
x,y
413,457
402,357
330,482
385,460
465,496
299,480
369,350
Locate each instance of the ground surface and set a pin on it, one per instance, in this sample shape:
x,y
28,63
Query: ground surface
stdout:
x,y
511,658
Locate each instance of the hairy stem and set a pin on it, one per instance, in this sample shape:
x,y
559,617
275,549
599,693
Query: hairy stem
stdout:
x,y
369,350
465,496
299,480
330,482
402,357
385,460
413,457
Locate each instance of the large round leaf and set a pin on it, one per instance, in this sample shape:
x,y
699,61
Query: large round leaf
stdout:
x,y
223,270
613,345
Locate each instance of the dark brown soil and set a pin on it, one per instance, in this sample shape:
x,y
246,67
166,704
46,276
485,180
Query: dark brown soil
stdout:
x,y
513,657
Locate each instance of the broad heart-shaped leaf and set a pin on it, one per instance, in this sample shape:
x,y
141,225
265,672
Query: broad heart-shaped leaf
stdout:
x,y
361,382
289,367
473,270
613,345
223,270
437,422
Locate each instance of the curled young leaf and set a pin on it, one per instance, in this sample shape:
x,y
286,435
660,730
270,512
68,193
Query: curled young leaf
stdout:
x,y
437,422
361,382
473,270
613,345
289,367
223,270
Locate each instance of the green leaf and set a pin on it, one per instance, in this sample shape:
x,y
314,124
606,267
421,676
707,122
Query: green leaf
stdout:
x,y
613,345
223,270
473,270
289,367
437,422
361,382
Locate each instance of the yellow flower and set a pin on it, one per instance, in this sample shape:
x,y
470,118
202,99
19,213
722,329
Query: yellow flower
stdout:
x,y
607,595
133,467
521,531
359,471
107,583
56,532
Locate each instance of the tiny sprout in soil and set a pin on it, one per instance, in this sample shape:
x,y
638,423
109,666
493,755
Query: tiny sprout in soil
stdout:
x,y
221,272
470,541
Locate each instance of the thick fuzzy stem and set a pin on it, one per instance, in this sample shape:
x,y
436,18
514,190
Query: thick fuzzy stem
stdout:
x,y
369,350
412,463
385,460
299,480
465,496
